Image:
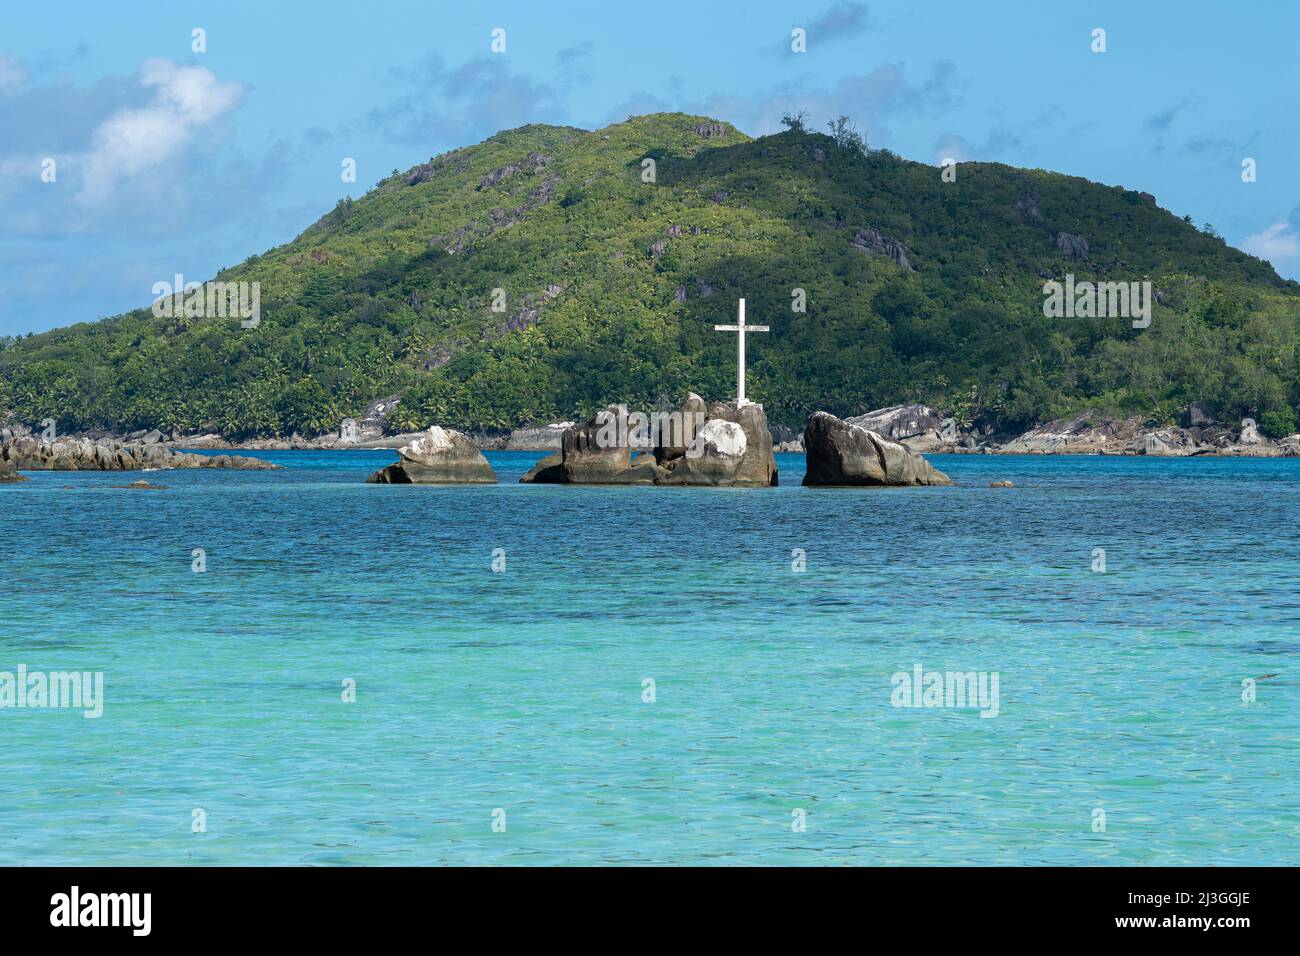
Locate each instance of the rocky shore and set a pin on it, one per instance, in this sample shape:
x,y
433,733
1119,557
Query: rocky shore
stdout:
x,y
921,430
529,438
710,444
1087,434
26,453
917,427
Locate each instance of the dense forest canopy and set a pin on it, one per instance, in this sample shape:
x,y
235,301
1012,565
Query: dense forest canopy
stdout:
x,y
606,287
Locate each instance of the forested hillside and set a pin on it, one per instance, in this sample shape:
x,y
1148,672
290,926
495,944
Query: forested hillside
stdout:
x,y
915,289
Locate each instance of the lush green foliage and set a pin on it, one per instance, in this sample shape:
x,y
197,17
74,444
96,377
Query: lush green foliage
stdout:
x,y
369,301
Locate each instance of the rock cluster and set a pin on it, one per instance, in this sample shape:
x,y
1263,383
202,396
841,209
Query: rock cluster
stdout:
x,y
469,233
83,454
532,162
841,453
709,130
1100,434
1083,434
715,445
871,240
439,456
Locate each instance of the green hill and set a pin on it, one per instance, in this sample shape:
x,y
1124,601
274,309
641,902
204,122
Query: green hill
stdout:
x,y
612,286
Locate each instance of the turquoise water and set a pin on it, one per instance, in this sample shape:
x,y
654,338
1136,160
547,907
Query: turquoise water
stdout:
x,y
522,690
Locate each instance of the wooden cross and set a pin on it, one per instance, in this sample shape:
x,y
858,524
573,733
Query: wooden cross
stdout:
x,y
741,328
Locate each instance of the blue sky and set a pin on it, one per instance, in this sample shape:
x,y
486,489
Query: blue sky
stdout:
x,y
170,161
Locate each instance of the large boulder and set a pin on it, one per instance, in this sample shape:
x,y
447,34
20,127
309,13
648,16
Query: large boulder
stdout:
x,y
24,451
548,471
440,456
597,451
734,447
916,426
841,453
719,452
9,473
1169,442
1199,414
872,241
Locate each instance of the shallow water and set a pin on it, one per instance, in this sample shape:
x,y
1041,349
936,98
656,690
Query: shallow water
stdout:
x,y
522,690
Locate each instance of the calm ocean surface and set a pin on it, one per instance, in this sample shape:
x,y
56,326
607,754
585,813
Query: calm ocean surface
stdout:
x,y
522,690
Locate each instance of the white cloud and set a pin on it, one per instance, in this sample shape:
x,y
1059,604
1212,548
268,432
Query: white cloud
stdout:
x,y
952,146
1279,244
132,142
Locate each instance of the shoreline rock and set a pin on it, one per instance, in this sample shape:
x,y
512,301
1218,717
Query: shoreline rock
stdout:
x,y
440,456
841,453
83,454
911,425
548,471
1090,434
537,437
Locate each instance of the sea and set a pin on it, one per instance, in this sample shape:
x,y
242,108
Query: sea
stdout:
x,y
301,668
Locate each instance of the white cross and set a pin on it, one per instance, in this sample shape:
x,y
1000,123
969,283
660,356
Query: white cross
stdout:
x,y
742,328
